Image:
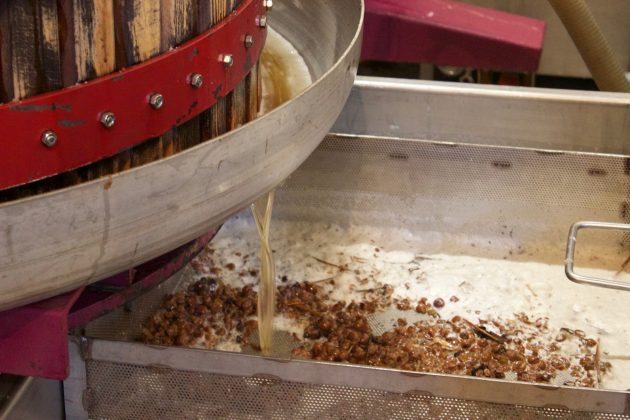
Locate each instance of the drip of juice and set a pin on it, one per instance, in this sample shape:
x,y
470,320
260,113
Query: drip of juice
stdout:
x,y
261,209
283,75
283,72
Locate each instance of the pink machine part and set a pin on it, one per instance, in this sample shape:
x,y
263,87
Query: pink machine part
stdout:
x,y
446,32
34,338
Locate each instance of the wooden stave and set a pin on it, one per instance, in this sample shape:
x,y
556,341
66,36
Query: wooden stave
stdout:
x,y
130,39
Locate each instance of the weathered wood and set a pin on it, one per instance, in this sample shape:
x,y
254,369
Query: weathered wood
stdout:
x,y
237,106
88,51
50,44
30,48
213,122
178,25
138,38
137,29
30,53
253,93
89,48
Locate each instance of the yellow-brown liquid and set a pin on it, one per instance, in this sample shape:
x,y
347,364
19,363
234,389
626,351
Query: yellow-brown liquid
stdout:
x,y
283,75
261,209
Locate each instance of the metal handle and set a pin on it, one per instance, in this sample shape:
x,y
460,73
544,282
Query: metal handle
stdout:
x,y
568,261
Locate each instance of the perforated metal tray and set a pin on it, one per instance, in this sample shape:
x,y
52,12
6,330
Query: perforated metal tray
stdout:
x,y
462,190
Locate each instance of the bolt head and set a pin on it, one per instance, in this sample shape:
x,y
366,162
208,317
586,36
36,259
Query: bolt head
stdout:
x,y
156,101
108,119
249,41
268,4
261,21
49,138
227,60
196,80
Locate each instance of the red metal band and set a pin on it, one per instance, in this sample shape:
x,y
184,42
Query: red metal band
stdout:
x,y
223,57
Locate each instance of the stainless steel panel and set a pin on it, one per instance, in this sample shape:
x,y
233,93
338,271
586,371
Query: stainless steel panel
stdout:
x,y
508,116
489,201
130,377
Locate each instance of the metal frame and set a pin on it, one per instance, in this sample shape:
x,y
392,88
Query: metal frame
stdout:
x,y
55,132
75,387
569,260
543,119
323,373
371,97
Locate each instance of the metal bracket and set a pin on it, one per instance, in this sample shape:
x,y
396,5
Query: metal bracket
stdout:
x,y
72,127
569,259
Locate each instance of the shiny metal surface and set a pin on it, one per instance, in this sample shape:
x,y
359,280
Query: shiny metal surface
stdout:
x,y
570,256
547,119
57,241
477,196
461,199
149,373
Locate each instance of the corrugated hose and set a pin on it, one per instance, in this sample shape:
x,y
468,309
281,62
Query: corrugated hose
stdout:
x,y
592,45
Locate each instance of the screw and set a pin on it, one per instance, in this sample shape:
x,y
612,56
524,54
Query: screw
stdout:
x,y
156,100
227,60
108,119
196,80
249,41
49,138
261,21
268,4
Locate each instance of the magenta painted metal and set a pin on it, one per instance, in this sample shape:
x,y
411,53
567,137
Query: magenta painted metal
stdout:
x,y
34,338
446,32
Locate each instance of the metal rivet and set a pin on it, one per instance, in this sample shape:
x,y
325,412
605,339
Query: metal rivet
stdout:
x,y
49,139
249,41
108,119
268,4
196,80
156,101
227,60
261,21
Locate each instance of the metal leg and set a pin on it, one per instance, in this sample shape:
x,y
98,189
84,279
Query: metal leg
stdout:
x,y
75,387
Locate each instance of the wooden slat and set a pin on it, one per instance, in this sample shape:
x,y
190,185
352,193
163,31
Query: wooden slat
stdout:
x,y
214,120
253,93
237,106
89,48
30,57
6,68
48,44
30,48
179,23
88,51
137,26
